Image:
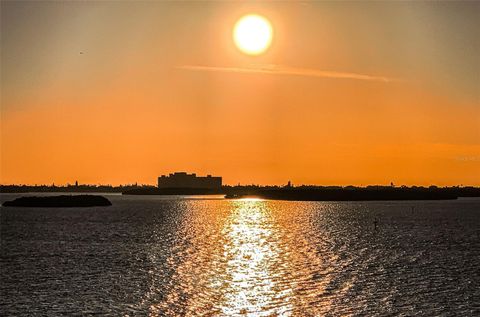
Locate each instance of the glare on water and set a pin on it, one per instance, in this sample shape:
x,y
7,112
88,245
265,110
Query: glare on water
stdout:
x,y
210,257
253,258
247,261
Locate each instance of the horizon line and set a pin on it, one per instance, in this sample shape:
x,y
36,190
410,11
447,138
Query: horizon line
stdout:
x,y
239,184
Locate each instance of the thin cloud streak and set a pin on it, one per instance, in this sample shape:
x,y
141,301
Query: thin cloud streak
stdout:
x,y
292,71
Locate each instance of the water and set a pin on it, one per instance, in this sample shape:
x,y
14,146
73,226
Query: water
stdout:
x,y
165,256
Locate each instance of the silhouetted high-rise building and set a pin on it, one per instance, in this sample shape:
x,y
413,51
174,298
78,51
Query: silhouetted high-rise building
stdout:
x,y
184,180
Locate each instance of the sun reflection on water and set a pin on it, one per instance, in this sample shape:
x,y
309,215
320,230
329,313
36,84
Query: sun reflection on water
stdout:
x,y
247,257
250,252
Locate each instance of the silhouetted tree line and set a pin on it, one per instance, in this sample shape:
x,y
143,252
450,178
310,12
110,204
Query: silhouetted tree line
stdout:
x,y
302,192
332,193
85,188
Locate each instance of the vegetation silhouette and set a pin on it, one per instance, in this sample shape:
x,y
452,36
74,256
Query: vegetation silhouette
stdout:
x,y
77,188
320,193
288,192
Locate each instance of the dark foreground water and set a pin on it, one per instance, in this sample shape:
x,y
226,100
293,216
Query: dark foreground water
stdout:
x,y
177,257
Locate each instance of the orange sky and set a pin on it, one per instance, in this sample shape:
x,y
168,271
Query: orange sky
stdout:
x,y
160,87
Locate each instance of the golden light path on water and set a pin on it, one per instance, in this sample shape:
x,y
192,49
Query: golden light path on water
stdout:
x,y
244,257
252,254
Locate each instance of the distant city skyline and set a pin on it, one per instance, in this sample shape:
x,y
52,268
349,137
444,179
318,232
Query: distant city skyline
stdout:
x,y
338,93
186,180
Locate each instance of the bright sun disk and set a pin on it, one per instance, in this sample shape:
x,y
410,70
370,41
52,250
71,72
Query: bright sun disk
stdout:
x,y
253,34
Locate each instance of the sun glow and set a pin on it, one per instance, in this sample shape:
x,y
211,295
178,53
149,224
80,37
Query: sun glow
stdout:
x,y
253,34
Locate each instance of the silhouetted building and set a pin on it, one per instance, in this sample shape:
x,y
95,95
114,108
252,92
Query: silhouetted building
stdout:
x,y
184,180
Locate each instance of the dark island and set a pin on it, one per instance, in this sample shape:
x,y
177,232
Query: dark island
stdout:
x,y
59,201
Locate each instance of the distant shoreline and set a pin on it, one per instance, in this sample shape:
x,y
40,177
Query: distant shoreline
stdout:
x,y
306,193
299,193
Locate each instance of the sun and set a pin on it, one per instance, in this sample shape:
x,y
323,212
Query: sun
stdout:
x,y
253,34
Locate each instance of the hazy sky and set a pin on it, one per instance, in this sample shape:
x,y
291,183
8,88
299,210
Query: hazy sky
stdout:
x,y
348,93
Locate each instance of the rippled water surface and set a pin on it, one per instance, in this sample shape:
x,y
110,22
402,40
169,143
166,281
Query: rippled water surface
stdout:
x,y
213,257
